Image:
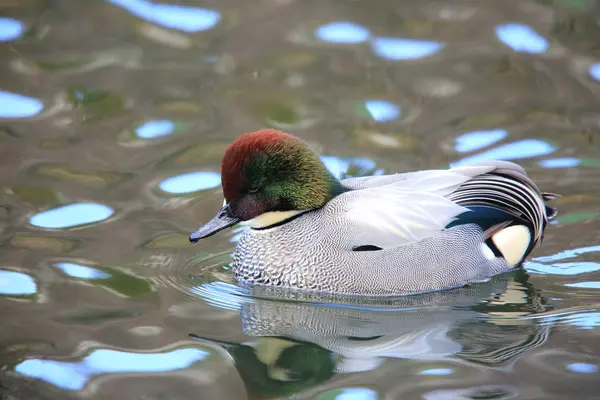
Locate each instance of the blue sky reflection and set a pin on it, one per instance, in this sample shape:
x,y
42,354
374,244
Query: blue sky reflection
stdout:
x,y
74,375
183,18
13,105
404,49
155,129
190,182
525,148
10,29
595,71
479,139
339,166
382,111
81,271
522,38
357,393
71,215
342,32
13,283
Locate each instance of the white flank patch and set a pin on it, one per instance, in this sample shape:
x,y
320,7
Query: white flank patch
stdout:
x,y
512,243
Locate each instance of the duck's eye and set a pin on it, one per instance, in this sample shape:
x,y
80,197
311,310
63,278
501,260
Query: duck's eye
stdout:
x,y
253,189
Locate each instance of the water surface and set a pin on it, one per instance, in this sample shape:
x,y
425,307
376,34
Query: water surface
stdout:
x,y
114,115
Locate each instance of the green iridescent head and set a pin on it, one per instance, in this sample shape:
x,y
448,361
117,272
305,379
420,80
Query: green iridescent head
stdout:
x,y
270,175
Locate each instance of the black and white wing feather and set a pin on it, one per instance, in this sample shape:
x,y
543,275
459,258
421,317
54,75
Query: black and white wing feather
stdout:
x,y
509,206
394,210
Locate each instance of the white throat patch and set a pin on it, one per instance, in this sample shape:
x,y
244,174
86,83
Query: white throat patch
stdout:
x,y
269,218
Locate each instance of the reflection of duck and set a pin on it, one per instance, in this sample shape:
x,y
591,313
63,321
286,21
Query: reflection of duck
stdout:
x,y
279,367
403,233
300,344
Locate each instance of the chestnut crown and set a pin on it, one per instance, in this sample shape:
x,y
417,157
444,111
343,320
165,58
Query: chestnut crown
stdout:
x,y
269,170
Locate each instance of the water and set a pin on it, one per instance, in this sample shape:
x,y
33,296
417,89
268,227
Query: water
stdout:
x,y
113,119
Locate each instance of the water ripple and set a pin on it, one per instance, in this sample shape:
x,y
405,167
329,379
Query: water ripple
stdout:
x,y
404,49
343,32
221,295
13,105
477,392
155,129
382,111
355,393
568,268
583,368
581,318
436,371
521,38
15,283
479,139
586,320
81,271
570,253
584,285
183,18
10,29
71,215
190,182
525,148
74,375
190,276
595,71
565,162
340,167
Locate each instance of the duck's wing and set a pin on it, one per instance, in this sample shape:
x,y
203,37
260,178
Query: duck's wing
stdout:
x,y
493,195
390,216
413,179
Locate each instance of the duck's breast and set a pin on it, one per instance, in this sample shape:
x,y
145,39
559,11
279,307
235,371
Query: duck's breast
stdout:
x,y
292,255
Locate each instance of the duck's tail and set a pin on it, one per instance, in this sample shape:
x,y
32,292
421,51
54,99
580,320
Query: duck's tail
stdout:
x,y
509,207
551,212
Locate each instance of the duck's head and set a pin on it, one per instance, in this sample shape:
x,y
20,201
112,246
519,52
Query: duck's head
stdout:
x,y
269,176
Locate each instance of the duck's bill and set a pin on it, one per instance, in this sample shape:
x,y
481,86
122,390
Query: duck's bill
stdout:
x,y
221,221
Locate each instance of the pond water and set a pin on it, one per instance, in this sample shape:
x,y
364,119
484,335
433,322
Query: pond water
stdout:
x,y
114,115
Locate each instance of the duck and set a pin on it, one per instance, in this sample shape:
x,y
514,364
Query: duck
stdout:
x,y
381,235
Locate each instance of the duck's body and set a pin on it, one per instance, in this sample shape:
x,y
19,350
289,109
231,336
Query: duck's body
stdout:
x,y
383,235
